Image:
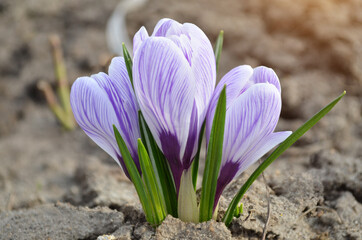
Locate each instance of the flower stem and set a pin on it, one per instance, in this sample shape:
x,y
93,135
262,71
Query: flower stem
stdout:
x,y
187,203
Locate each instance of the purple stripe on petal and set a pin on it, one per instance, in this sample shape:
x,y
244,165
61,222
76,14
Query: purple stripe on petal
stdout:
x,y
100,101
192,141
165,91
261,148
184,43
94,113
265,75
203,67
236,82
118,88
227,174
249,125
166,27
174,76
253,116
198,51
171,150
138,38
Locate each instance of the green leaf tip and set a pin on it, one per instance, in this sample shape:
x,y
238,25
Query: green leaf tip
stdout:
x,y
218,48
128,62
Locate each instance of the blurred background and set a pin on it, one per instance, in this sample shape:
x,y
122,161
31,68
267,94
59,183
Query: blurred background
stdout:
x,y
315,46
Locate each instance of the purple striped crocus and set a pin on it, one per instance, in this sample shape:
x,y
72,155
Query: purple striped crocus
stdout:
x,y
174,76
102,100
253,104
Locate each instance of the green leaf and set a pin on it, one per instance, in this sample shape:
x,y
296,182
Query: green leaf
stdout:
x,y
195,163
161,168
128,61
275,154
239,210
218,48
151,183
135,177
213,159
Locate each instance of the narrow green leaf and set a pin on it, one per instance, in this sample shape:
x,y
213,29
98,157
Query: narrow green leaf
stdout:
x,y
239,210
195,163
128,61
135,176
213,159
275,154
151,183
218,48
161,168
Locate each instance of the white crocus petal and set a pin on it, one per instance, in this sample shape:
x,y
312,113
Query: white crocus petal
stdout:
x,y
264,146
94,113
236,82
124,102
265,75
167,27
253,116
203,67
138,38
165,90
198,51
176,122
101,101
249,125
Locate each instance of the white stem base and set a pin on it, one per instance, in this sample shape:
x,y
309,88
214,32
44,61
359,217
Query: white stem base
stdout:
x,y
187,203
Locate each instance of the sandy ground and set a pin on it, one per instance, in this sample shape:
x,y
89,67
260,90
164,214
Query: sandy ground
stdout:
x,y
56,184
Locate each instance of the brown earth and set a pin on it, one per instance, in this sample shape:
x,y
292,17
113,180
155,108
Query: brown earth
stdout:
x,y
56,184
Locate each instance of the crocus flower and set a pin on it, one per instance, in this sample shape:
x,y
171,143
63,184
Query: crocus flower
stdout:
x,y
102,100
253,104
174,78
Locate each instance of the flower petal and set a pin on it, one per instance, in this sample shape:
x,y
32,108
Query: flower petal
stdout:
x,y
198,51
253,116
166,27
138,38
265,145
203,67
265,75
94,113
236,82
230,169
249,127
165,91
100,101
123,99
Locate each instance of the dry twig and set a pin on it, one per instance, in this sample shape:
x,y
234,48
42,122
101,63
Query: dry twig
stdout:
x,y
268,212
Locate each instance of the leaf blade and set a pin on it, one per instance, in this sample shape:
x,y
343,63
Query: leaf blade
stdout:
x,y
218,48
135,176
195,163
160,165
213,160
128,61
151,183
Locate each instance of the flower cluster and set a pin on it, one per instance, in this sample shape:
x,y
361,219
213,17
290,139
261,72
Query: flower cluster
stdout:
x,y
172,85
